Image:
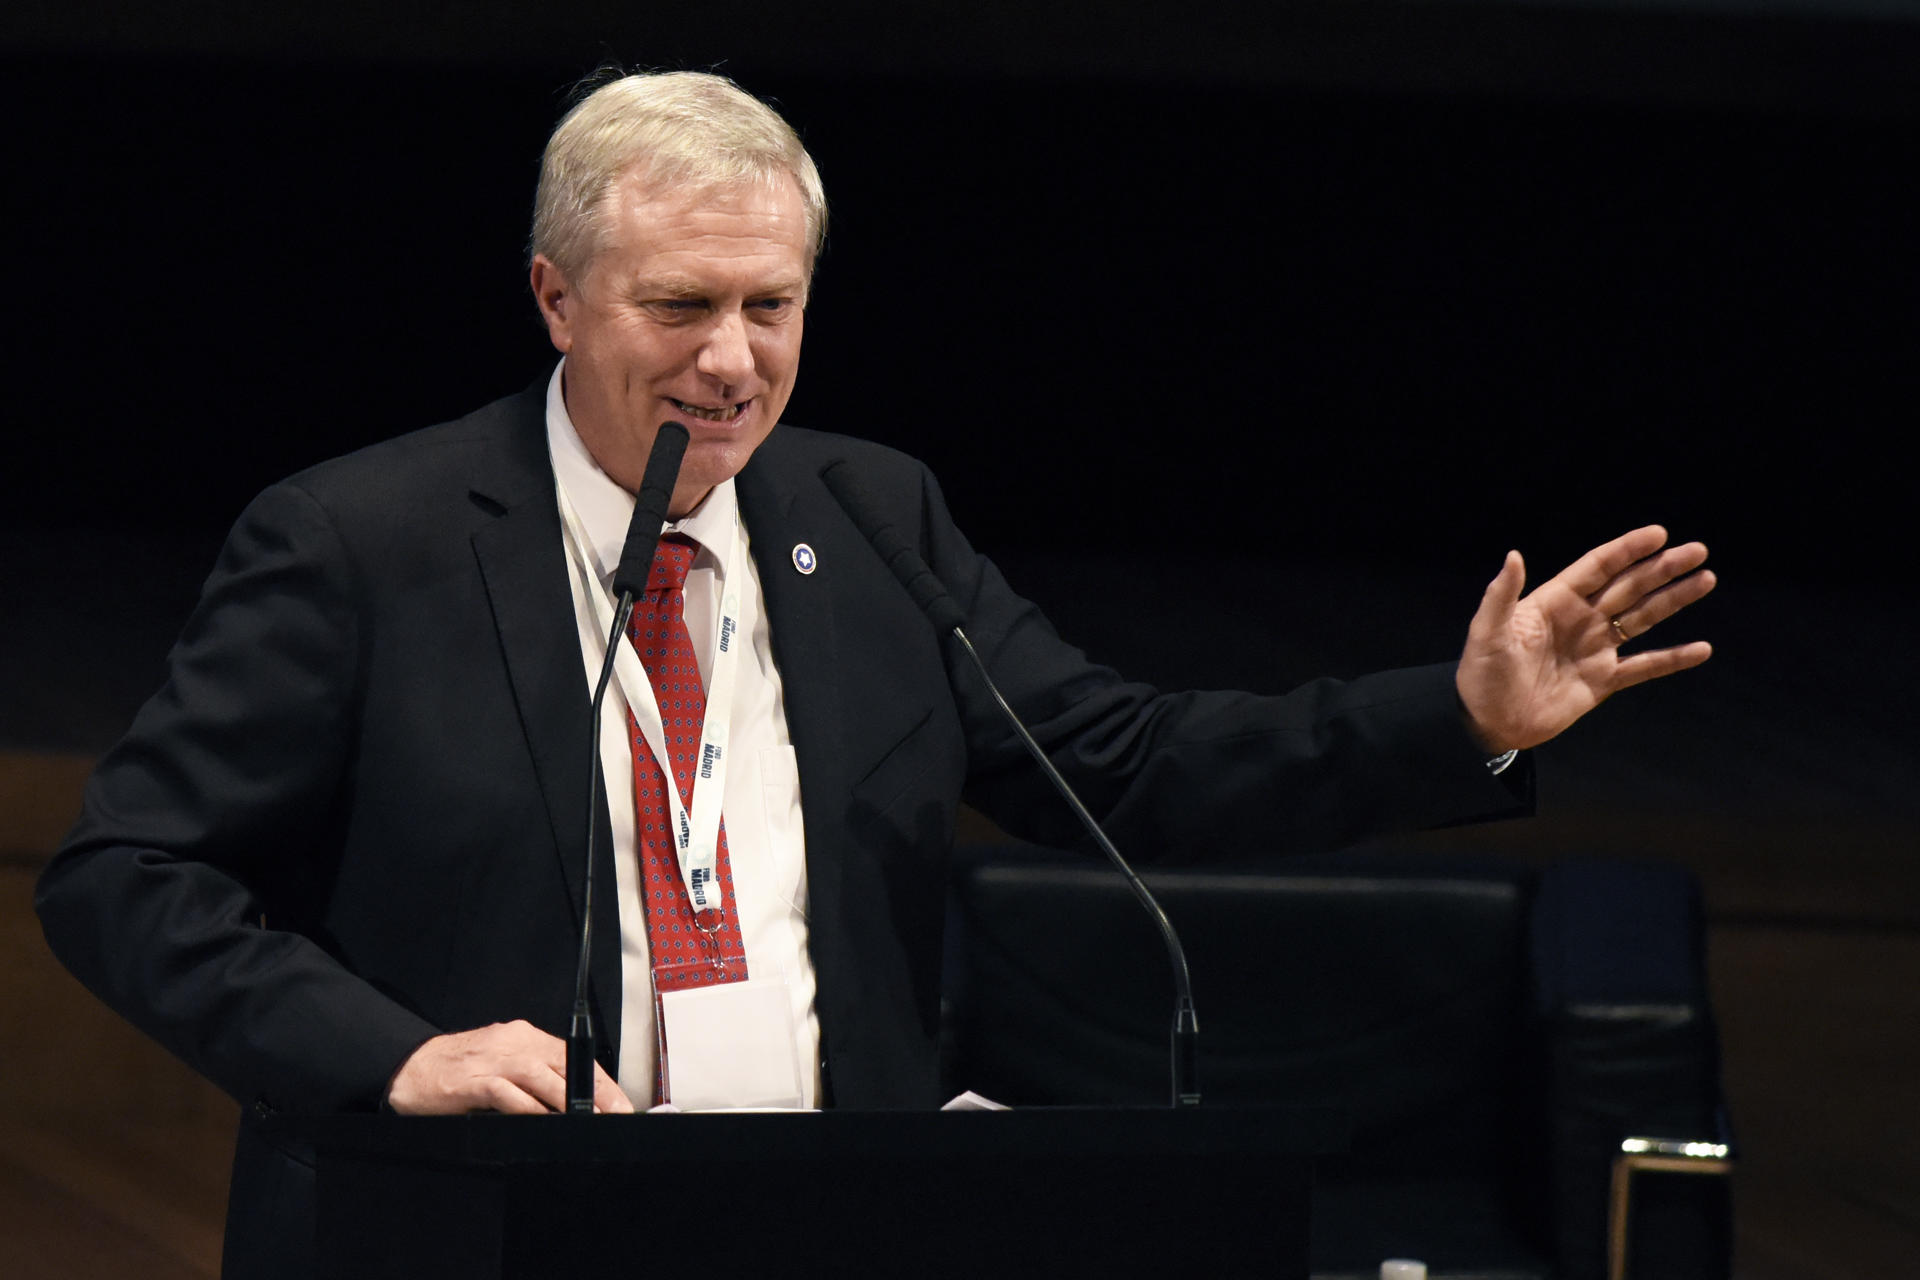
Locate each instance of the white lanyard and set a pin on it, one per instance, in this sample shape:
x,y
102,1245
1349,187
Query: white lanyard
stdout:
x,y
696,836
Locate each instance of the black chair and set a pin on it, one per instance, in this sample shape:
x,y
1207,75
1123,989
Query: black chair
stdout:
x,y
1495,1029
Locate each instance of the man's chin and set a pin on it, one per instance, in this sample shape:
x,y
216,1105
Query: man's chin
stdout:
x,y
707,465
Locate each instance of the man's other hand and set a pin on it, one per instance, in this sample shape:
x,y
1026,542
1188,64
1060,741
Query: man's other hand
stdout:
x,y
1533,666
510,1066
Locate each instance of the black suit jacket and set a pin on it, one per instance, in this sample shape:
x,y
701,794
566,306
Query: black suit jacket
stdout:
x,y
354,815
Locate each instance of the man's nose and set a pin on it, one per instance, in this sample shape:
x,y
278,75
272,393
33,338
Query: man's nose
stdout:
x,y
726,354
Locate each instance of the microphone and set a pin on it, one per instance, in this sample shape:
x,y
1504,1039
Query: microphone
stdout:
x,y
650,509
927,591
629,580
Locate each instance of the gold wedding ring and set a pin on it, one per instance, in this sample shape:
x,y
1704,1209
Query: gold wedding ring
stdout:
x,y
1618,630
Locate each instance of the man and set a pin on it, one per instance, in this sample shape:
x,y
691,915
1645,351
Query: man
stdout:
x,y
335,864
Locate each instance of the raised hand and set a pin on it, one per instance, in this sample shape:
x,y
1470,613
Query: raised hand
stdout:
x,y
1535,664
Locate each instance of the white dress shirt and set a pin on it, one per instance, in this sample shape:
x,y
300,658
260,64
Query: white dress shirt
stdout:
x,y
761,807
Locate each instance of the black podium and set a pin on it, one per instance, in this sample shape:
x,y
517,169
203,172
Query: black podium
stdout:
x,y
1107,1191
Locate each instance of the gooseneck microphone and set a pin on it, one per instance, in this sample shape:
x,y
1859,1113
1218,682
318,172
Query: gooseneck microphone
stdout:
x,y
650,511
927,591
629,580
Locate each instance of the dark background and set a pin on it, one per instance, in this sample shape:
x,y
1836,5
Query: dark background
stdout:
x,y
1305,311
1409,283
1284,320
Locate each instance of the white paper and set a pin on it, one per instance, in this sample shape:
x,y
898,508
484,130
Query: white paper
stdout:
x,y
971,1101
731,1046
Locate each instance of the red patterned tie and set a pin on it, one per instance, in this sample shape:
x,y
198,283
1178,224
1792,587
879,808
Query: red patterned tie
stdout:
x,y
687,949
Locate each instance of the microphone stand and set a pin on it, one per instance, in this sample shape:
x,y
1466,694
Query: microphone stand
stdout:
x,y
580,1037
629,579
1186,1023
927,591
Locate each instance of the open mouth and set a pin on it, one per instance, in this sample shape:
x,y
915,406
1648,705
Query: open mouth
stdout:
x,y
726,413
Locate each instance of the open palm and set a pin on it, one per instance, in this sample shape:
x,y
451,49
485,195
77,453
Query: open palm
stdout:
x,y
1534,664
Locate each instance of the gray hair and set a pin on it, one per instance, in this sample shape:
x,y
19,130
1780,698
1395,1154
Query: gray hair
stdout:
x,y
676,127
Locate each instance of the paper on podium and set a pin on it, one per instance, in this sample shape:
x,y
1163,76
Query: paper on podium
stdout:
x,y
971,1101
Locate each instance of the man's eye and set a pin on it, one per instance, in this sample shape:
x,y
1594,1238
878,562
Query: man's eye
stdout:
x,y
773,305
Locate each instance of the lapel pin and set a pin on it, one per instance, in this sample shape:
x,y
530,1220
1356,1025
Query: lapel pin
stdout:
x,y
803,557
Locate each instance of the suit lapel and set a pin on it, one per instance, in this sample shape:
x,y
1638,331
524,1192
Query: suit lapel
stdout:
x,y
523,569
784,506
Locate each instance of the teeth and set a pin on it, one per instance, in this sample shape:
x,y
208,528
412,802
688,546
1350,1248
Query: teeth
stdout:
x,y
727,414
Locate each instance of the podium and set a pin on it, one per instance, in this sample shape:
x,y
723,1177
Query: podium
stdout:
x,y
1043,1191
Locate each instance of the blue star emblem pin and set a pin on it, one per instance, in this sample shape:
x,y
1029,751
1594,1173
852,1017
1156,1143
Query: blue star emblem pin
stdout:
x,y
803,557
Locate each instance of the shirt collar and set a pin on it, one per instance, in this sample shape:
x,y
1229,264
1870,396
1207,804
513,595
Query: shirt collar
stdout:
x,y
606,509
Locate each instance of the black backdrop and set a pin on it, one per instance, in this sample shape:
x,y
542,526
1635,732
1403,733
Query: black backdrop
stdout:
x,y
1344,295
1349,299
1419,324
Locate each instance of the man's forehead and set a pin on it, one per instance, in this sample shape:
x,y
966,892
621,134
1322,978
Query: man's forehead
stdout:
x,y
682,238
776,195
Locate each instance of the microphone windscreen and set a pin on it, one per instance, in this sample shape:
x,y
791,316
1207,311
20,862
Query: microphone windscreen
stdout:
x,y
650,509
895,550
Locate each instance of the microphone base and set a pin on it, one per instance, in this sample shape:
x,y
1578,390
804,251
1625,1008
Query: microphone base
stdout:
x,y
1186,1057
580,1067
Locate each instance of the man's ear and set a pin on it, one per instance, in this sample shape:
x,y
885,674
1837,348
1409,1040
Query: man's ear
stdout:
x,y
553,294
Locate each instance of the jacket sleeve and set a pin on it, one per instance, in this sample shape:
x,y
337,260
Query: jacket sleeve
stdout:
x,y
185,895
1200,776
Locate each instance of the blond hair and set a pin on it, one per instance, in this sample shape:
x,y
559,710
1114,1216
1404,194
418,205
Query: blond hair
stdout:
x,y
677,128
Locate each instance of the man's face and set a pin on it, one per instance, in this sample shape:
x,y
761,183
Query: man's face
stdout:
x,y
692,312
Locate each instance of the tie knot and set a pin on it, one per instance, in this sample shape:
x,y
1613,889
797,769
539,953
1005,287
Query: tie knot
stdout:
x,y
672,560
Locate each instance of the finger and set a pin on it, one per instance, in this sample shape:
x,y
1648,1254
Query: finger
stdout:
x,y
538,1065
608,1097
1656,608
512,1067
1501,595
1643,579
1642,667
1598,567
516,1068
506,1096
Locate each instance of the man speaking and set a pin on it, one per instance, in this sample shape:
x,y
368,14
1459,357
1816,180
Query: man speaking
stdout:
x,y
336,862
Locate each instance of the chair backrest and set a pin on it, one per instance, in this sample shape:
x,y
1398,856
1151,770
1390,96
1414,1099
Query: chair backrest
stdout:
x,y
1493,1027
1392,986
